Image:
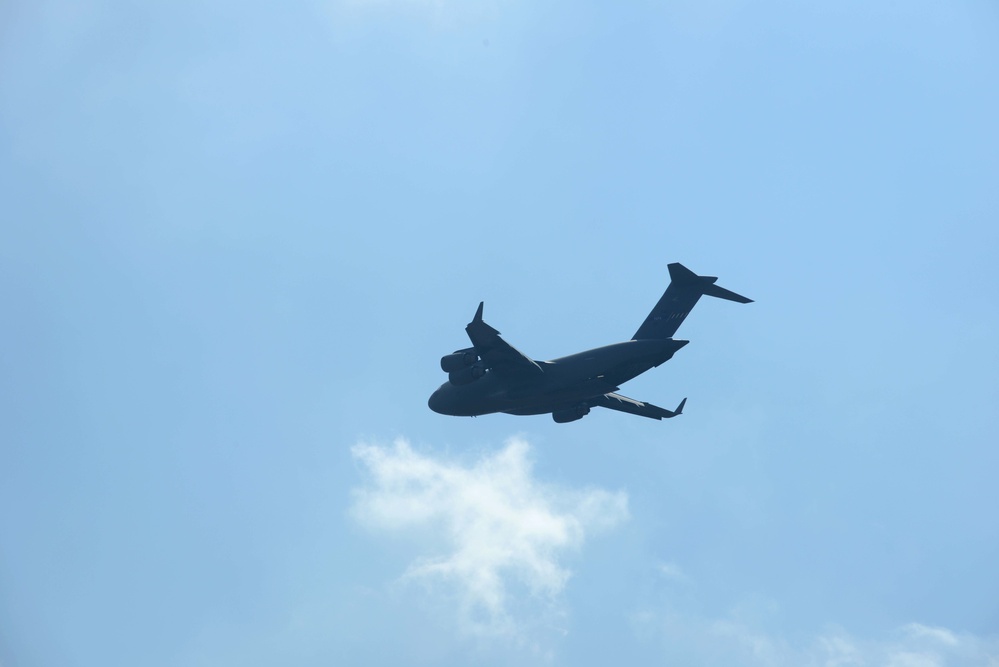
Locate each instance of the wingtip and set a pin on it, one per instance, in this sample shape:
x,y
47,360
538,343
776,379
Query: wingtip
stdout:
x,y
478,312
679,408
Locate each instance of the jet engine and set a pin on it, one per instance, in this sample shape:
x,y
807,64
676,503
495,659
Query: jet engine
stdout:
x,y
451,363
466,375
571,414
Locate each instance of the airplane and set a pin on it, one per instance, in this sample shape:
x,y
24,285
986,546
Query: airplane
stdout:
x,y
493,376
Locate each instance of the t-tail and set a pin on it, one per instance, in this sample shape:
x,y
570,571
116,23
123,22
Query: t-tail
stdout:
x,y
685,288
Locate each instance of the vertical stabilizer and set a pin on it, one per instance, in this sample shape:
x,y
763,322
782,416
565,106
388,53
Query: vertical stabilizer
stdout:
x,y
685,288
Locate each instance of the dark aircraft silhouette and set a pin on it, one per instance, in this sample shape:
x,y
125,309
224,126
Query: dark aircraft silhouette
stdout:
x,y
492,376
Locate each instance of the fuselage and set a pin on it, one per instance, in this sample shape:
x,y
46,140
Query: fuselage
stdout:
x,y
564,382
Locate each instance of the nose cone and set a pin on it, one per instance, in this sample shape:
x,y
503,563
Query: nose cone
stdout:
x,y
437,402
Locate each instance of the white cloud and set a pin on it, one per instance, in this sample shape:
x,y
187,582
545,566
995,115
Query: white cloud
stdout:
x,y
498,533
733,641
938,635
673,572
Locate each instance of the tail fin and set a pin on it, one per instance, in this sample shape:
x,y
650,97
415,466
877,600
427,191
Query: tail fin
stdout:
x,y
685,288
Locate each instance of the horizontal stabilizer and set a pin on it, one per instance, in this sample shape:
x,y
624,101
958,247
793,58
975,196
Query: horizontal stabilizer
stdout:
x,y
681,276
722,293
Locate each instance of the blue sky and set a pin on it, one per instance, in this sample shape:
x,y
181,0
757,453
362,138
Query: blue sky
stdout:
x,y
236,239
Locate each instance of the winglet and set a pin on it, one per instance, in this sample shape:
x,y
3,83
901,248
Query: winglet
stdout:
x,y
478,325
669,414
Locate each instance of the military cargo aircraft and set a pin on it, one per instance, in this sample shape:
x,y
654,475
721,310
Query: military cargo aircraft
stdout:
x,y
493,376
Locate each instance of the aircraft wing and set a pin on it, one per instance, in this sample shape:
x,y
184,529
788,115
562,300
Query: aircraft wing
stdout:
x,y
633,407
497,354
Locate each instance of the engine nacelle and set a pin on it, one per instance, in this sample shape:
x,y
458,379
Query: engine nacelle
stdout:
x,y
451,363
466,375
570,415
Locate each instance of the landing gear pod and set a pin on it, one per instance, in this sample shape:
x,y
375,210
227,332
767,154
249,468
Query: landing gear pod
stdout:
x,y
570,415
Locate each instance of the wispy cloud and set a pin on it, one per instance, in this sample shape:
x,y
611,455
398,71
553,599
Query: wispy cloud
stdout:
x,y
494,527
913,645
937,635
733,641
672,572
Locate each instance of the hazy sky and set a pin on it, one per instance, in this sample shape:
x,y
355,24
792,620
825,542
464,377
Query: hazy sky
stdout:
x,y
236,238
